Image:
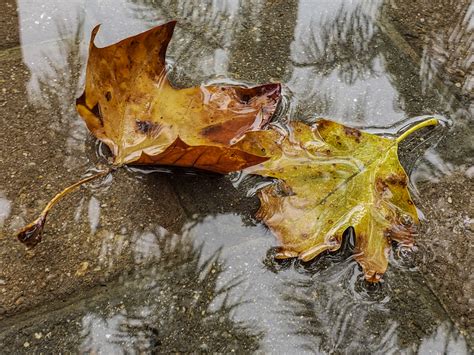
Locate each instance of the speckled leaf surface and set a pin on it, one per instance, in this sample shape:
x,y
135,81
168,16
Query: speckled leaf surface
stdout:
x,y
330,177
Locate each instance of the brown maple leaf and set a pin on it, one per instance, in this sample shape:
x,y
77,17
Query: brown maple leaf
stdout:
x,y
129,104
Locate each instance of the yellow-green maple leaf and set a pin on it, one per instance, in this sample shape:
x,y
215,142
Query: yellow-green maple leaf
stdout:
x,y
332,177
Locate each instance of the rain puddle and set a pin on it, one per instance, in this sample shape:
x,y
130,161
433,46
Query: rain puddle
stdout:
x,y
161,260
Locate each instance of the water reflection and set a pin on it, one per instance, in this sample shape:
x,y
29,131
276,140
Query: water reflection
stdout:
x,y
201,41
346,43
445,42
359,72
93,213
330,320
330,316
54,88
339,65
213,41
176,304
444,46
5,208
444,340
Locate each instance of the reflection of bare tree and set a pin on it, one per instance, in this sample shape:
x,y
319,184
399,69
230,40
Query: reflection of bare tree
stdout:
x,y
58,80
221,30
346,43
441,81
58,83
450,52
360,41
442,32
213,21
331,321
211,26
443,46
358,112
334,313
173,305
446,340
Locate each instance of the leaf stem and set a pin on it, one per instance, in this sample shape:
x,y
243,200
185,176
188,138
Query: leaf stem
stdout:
x,y
429,122
30,235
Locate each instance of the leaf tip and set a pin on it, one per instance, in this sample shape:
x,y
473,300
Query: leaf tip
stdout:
x,y
94,32
373,276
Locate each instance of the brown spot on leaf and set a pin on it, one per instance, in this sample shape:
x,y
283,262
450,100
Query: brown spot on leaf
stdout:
x,y
380,185
397,179
322,124
352,132
402,231
149,128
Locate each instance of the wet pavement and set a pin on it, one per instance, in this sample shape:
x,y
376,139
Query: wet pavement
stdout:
x,y
164,260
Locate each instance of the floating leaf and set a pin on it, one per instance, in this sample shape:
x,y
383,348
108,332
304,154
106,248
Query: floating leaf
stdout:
x,y
331,177
130,105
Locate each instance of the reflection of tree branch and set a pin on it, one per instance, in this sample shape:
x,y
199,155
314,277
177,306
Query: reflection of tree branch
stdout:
x,y
191,14
175,305
334,312
347,43
328,319
444,45
450,51
212,26
58,84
